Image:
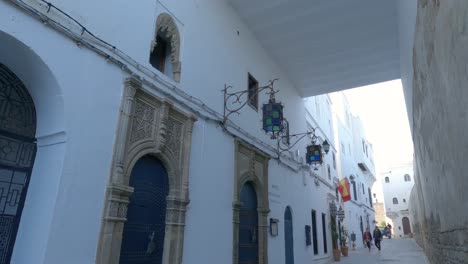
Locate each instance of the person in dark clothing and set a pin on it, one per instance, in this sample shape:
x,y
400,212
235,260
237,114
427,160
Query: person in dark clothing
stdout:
x,y
377,237
389,231
368,238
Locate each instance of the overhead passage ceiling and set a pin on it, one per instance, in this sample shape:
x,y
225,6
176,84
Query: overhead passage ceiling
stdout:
x,y
327,45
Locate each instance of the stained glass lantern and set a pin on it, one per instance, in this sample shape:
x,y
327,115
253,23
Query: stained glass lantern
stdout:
x,y
273,118
314,154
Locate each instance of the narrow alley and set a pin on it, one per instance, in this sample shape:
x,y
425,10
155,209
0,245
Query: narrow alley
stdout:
x,y
402,251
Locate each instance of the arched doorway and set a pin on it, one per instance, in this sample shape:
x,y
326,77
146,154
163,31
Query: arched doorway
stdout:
x,y
361,227
406,225
248,226
17,153
288,236
144,231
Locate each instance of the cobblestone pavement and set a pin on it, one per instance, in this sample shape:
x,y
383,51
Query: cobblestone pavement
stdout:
x,y
401,251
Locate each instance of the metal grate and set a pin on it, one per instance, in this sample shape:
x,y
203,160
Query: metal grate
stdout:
x,y
17,152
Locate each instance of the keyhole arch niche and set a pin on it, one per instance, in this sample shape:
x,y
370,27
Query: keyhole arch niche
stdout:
x,y
148,126
166,29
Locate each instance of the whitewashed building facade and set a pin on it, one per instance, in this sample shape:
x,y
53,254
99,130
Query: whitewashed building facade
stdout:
x,y
107,93
397,184
355,156
106,109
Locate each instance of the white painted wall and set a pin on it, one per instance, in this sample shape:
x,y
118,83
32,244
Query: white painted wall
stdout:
x,y
400,189
407,10
63,212
77,96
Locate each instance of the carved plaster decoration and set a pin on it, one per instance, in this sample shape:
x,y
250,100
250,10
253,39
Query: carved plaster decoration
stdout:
x,y
147,126
166,27
251,165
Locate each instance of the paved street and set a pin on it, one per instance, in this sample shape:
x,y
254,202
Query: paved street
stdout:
x,y
402,251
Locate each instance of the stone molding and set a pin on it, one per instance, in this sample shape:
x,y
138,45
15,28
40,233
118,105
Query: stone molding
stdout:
x,y
166,27
147,126
251,166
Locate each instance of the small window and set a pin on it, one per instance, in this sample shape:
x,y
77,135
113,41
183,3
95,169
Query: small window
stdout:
x,y
395,201
329,172
324,232
159,54
404,200
407,178
354,190
314,232
253,92
370,197
387,180
334,160
343,149
375,195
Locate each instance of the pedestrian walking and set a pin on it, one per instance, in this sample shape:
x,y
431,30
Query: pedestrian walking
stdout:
x,y
377,237
389,231
368,238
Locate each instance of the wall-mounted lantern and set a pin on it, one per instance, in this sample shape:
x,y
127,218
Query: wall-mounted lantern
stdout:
x,y
233,103
274,226
314,152
272,117
274,123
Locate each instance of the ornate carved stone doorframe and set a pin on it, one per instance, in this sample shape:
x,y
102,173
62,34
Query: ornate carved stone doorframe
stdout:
x,y
147,126
251,165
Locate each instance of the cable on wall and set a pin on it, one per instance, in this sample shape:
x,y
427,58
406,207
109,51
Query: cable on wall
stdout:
x,y
116,56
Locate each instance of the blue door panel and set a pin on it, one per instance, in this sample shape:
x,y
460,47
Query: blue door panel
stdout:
x,y
288,236
248,226
143,234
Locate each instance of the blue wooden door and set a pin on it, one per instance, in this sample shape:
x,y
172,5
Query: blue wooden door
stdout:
x,y
143,234
248,226
17,153
288,236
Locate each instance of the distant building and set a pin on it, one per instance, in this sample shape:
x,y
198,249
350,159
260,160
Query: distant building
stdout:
x,y
397,185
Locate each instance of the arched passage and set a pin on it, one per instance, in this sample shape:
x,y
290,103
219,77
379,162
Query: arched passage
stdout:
x,y
50,138
17,153
288,236
406,225
248,225
144,232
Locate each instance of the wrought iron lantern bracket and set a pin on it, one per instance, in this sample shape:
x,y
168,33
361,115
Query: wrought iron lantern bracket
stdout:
x,y
233,101
282,146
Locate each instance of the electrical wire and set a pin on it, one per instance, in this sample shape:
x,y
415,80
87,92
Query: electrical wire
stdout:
x,y
130,65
